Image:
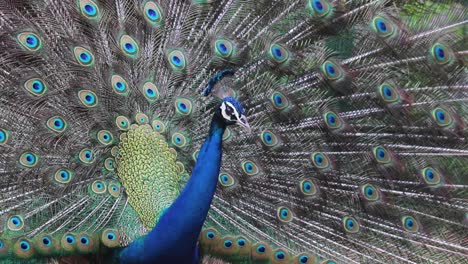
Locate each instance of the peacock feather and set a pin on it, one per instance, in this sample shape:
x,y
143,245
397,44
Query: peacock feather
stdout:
x,y
124,133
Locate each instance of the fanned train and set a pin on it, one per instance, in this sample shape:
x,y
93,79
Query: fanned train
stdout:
x,y
233,131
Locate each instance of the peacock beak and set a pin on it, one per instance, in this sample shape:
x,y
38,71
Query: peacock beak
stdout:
x,y
242,121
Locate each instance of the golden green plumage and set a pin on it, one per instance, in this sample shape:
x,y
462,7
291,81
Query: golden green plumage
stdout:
x,y
147,166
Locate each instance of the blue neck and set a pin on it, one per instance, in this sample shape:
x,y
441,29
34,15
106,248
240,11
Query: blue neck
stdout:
x,y
175,236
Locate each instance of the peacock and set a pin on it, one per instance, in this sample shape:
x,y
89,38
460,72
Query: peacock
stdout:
x,y
233,131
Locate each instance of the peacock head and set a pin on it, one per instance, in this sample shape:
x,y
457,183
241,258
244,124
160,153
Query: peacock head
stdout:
x,y
232,112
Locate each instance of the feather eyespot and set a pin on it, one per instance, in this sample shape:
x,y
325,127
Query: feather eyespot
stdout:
x,y
431,176
83,56
23,248
88,98
15,223
119,85
152,13
129,46
284,214
98,187
177,60
63,176
381,154
410,224
383,27
85,243
25,245
210,235
320,160
110,238
68,242
442,117
183,106
4,136
441,54
226,180
228,243
150,91
332,70
223,48
115,151
86,156
105,137
210,238
179,140
304,258
35,87
30,41
389,93
195,155
350,224
180,166
89,9
269,139
333,120
241,242
56,124
227,135
308,187
4,248
84,240
278,53
250,168
320,8
70,239
159,126
141,119
28,159
122,123
281,255
261,249
279,101
369,192
46,241
109,164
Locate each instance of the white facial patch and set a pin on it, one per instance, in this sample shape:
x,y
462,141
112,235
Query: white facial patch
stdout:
x,y
224,111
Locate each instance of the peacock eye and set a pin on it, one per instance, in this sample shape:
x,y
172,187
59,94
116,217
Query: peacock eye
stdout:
x,y
229,111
